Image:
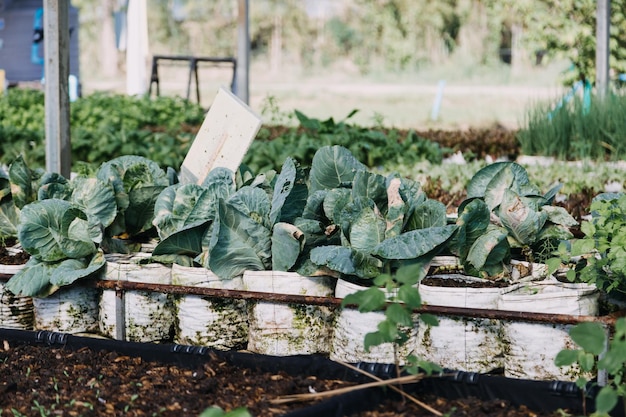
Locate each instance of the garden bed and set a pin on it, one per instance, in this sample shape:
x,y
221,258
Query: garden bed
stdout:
x,y
52,373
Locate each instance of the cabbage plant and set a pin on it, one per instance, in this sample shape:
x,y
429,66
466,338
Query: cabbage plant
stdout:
x,y
185,213
57,235
9,213
381,222
136,182
19,187
504,211
253,228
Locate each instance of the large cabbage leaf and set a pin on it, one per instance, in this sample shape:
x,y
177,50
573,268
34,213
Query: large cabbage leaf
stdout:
x,y
137,182
53,230
287,244
40,279
181,206
238,243
335,203
254,203
347,261
472,222
372,186
489,251
314,207
520,218
333,167
415,243
478,185
290,193
96,198
186,241
430,213
363,225
53,185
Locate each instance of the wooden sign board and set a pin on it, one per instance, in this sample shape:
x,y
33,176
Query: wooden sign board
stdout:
x,y
228,130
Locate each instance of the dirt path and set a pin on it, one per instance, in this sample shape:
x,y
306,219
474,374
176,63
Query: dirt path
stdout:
x,y
403,105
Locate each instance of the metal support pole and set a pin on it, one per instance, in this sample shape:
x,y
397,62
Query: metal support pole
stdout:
x,y
603,23
243,53
57,102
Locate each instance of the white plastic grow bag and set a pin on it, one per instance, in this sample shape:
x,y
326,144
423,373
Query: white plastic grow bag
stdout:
x,y
219,323
532,347
288,329
71,309
350,329
467,344
16,312
149,316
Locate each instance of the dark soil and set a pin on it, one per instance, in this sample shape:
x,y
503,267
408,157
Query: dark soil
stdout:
x,y
8,258
457,283
36,380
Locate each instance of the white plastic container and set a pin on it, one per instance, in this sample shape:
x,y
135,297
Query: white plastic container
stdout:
x,y
149,316
532,347
16,312
467,344
71,309
218,323
288,329
351,327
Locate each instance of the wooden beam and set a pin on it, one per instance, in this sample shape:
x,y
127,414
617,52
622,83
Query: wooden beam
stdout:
x,y
56,71
603,23
242,81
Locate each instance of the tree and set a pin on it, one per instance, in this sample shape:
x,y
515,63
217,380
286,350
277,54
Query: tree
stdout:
x,y
567,28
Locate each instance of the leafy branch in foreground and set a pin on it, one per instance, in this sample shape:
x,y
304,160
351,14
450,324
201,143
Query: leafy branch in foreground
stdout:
x,y
399,294
593,341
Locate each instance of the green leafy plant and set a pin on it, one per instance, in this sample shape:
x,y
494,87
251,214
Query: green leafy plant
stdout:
x,y
384,232
594,343
253,227
136,182
603,247
504,210
184,214
397,295
381,222
62,246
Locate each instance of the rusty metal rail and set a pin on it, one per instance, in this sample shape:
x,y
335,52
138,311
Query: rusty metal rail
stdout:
x,y
123,286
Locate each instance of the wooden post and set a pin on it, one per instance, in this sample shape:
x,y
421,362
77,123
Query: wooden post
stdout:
x,y
243,53
57,102
603,23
